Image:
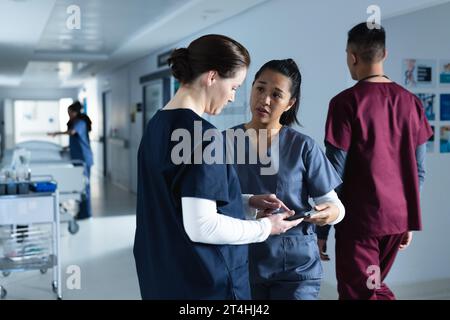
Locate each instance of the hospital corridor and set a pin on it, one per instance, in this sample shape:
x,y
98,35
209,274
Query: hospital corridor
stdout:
x,y
224,150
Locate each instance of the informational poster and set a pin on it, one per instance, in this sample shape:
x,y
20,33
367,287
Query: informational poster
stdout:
x,y
428,102
445,139
429,80
445,107
419,73
444,72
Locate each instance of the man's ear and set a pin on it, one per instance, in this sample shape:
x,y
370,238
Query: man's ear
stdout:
x,y
353,58
385,54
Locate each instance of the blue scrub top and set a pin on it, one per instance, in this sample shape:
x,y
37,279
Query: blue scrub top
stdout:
x,y
80,147
169,265
303,172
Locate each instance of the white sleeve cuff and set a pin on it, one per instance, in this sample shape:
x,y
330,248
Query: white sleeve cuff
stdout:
x,y
267,228
250,213
333,198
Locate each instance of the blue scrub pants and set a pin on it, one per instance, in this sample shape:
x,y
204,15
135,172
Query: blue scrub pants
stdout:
x,y
85,205
286,290
286,267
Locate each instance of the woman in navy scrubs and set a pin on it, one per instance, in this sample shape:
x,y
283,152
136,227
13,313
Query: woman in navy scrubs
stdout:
x,y
287,266
191,236
78,129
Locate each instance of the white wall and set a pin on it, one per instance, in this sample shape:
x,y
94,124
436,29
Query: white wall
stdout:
x,y
93,93
424,34
17,93
291,38
314,34
8,125
9,94
117,82
34,119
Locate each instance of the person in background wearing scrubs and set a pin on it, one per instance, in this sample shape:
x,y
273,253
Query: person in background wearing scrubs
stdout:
x,y
287,266
375,136
78,129
191,234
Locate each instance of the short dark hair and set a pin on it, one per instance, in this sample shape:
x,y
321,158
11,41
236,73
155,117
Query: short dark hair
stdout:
x,y
288,68
210,52
368,44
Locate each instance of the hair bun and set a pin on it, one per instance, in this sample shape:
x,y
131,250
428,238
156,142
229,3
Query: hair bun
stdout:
x,y
179,62
182,52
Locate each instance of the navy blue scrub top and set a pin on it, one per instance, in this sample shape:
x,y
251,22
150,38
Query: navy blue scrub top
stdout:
x,y
169,265
80,148
303,172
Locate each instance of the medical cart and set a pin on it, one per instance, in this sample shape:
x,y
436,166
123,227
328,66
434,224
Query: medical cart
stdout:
x,y
30,235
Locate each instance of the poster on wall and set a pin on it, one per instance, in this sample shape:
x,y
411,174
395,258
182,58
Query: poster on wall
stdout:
x,y
445,107
430,143
428,103
445,139
444,72
418,73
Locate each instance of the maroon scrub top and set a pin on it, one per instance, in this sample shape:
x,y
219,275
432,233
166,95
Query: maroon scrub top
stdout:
x,y
380,125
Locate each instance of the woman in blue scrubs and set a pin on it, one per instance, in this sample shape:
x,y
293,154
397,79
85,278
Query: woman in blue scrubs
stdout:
x,y
286,266
191,233
78,129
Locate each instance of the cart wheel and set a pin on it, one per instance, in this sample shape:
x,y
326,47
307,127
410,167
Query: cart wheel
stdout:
x,y
43,271
73,227
3,293
6,273
54,286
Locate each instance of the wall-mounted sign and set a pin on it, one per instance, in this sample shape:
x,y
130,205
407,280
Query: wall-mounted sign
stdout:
x,y
162,58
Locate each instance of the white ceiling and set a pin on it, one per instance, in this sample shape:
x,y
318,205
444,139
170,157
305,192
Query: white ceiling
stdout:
x,y
38,50
106,24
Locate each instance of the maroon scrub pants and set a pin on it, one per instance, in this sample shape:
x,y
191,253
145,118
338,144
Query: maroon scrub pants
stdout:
x,y
356,261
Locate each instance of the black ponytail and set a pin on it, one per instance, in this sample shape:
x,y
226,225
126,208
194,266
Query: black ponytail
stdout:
x,y
77,107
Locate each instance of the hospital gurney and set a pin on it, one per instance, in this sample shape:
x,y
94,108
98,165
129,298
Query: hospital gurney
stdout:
x,y
47,159
71,185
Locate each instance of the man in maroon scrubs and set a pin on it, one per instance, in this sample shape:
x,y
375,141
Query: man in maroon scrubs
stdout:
x,y
375,133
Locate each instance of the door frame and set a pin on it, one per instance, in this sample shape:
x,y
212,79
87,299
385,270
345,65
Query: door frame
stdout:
x,y
104,138
166,76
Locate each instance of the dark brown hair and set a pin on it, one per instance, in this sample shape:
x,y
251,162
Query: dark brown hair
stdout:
x,y
210,52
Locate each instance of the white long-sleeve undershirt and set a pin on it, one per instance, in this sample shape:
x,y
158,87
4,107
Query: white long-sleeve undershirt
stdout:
x,y
204,224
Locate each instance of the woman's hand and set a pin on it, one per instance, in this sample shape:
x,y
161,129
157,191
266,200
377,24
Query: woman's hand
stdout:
x,y
279,225
327,213
266,204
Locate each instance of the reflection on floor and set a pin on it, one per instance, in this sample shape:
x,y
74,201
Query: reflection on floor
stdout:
x,y
102,250
109,200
